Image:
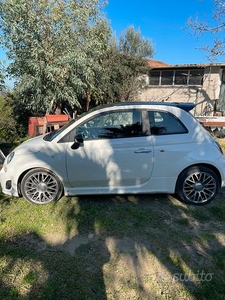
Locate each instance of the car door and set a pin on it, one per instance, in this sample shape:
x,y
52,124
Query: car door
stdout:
x,y
116,152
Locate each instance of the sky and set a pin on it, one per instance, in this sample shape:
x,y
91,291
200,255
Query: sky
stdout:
x,y
164,22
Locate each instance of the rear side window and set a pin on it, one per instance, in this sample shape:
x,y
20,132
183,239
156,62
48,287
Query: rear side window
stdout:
x,y
163,123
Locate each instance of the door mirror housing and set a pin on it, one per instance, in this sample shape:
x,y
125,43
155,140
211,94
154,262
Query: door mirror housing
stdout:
x,y
78,141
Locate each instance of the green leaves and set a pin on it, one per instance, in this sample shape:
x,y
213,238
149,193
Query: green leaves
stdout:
x,y
8,130
132,44
55,47
125,64
61,53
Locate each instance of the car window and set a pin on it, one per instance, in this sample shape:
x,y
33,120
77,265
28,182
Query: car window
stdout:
x,y
53,134
165,123
114,124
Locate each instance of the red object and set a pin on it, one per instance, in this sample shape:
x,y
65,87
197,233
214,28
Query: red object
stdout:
x,y
56,118
41,125
35,126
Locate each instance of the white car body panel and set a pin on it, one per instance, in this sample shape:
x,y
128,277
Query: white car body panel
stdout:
x,y
110,163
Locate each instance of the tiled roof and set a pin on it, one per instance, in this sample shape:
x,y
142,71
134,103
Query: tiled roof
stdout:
x,y
159,64
156,63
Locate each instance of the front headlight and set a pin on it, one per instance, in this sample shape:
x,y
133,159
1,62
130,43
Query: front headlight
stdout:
x,y
10,157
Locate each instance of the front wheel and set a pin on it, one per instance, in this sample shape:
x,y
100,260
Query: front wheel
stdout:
x,y
197,185
41,186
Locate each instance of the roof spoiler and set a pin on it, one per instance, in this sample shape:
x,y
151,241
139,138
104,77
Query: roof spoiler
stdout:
x,y
183,105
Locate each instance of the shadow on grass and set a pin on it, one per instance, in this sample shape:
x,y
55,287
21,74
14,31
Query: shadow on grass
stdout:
x,y
122,247
36,270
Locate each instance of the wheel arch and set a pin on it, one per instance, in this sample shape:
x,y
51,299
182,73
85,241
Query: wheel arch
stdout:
x,y
209,166
26,171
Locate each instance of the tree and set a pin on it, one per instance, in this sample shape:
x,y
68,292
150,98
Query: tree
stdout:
x,y
132,44
8,128
216,27
2,78
55,48
125,64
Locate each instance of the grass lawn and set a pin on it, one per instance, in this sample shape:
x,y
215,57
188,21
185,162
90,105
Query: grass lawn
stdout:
x,y
104,247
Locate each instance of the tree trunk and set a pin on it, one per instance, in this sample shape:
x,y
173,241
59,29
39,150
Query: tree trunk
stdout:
x,y
88,100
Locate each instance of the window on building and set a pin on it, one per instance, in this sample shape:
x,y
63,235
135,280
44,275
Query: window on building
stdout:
x,y
196,77
223,76
181,77
154,78
167,77
176,77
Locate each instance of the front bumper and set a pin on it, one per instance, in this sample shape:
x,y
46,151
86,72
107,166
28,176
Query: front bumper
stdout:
x,y
8,183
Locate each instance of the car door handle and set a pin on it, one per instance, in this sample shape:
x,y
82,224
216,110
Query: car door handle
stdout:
x,y
143,151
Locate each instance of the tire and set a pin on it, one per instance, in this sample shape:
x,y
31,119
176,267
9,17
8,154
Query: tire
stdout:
x,y
197,185
40,186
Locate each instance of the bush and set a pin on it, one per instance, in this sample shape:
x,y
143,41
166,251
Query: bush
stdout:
x,y
8,125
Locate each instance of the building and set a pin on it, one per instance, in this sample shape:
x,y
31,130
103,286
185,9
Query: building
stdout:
x,y
203,84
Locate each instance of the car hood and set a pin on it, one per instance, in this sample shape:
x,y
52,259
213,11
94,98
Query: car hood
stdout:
x,y
33,145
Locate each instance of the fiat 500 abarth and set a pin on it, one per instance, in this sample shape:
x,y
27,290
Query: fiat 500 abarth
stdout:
x,y
124,148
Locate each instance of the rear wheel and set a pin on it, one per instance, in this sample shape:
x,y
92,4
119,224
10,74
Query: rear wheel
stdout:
x,y
41,186
197,185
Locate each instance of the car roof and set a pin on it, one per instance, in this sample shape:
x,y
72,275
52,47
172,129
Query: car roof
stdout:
x,y
182,105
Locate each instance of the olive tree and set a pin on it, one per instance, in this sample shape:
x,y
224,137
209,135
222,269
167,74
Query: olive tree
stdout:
x,y
125,65
55,48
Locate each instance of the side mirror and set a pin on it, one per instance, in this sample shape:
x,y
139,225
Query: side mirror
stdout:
x,y
78,141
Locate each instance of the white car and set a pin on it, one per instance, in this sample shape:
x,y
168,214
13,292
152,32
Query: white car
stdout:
x,y
124,148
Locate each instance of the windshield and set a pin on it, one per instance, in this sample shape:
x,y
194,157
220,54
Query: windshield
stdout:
x,y
53,134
